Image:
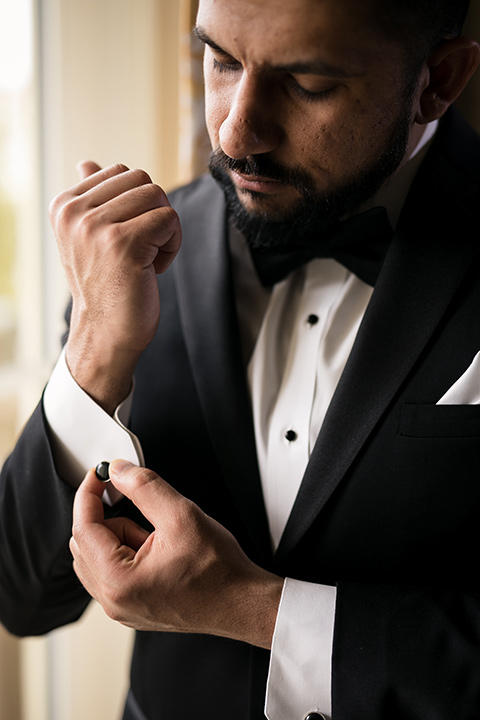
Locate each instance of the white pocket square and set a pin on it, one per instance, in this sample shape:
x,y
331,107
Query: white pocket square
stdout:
x,y
466,390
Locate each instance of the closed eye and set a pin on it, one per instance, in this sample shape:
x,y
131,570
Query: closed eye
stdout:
x,y
222,61
229,65
310,95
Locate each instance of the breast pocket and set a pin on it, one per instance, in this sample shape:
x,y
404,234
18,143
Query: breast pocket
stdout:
x,y
440,421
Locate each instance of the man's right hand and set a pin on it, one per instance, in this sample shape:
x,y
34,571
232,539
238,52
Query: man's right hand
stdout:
x,y
115,231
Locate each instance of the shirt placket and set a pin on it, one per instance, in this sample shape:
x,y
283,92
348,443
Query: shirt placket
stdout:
x,y
288,448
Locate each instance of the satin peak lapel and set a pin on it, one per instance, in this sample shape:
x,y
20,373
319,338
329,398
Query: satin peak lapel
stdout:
x,y
429,256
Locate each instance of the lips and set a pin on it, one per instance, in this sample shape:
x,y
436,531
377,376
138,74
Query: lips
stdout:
x,y
256,183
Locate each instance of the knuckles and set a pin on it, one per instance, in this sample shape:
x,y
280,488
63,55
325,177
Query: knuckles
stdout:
x,y
170,217
116,169
115,599
184,522
140,477
72,211
151,195
140,177
78,540
65,211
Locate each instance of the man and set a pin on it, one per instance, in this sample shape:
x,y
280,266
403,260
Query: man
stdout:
x,y
309,395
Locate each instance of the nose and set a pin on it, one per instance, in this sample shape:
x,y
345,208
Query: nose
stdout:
x,y
249,127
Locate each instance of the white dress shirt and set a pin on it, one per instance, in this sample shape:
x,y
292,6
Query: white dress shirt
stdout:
x,y
296,340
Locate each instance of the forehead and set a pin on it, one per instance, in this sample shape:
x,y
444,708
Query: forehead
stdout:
x,y
282,31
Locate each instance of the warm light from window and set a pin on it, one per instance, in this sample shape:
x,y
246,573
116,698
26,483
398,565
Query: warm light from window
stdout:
x,y
15,44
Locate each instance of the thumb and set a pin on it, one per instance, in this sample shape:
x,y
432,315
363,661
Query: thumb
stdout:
x,y
154,497
85,168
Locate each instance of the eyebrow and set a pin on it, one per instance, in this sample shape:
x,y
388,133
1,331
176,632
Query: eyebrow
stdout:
x,y
313,67
200,33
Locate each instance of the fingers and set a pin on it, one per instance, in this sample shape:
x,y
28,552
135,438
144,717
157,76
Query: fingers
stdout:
x,y
88,505
116,196
101,186
98,186
86,168
128,532
126,196
90,536
88,510
92,175
158,501
95,539
112,186
162,227
168,250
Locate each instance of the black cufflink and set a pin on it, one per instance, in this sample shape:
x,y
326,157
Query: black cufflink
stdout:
x,y
102,472
315,716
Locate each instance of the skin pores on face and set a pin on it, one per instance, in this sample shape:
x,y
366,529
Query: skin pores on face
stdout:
x,y
309,84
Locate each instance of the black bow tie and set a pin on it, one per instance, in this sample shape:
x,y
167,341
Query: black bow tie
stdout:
x,y
359,244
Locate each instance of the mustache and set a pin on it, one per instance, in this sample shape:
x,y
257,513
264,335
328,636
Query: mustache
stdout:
x,y
265,167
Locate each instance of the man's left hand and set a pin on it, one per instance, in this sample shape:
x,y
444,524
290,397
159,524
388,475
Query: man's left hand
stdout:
x,y
188,575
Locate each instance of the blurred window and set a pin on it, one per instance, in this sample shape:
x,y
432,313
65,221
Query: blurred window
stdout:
x,y
20,241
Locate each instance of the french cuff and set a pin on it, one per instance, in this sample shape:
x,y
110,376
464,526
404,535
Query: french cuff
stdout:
x,y
82,434
300,675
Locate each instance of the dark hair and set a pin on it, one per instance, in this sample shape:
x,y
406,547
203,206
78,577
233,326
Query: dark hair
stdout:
x,y
423,24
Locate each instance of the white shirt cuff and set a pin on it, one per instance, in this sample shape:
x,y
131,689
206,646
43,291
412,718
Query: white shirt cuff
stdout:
x,y
82,433
300,676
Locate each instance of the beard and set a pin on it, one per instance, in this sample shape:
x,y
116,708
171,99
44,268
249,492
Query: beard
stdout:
x,y
315,212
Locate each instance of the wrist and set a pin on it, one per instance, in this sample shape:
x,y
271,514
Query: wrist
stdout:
x,y
257,610
105,373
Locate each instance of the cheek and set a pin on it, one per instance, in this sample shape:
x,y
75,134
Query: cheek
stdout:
x,y
338,142
323,136
325,146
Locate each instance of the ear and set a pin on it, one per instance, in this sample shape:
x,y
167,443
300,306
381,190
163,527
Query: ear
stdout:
x,y
449,69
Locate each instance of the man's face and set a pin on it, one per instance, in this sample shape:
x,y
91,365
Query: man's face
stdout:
x,y
306,105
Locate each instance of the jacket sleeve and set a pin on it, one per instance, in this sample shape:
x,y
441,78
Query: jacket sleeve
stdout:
x,y
39,590
402,652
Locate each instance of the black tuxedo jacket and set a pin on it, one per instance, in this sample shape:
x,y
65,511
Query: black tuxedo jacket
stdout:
x,y
389,506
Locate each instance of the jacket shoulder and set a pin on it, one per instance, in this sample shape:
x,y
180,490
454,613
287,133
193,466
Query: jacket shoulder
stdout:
x,y
200,194
459,144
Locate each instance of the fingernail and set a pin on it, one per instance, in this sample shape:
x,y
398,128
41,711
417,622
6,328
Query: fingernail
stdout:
x,y
119,466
